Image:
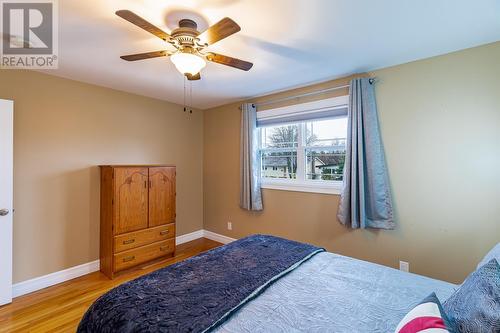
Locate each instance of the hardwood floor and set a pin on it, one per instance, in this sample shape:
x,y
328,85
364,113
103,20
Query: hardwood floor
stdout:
x,y
59,308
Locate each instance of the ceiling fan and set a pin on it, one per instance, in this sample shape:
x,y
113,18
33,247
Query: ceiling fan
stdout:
x,y
189,58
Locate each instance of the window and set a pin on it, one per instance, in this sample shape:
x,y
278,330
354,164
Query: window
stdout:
x,y
304,151
279,151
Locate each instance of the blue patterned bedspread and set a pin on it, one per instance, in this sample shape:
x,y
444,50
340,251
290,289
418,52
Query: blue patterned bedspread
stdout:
x,y
333,293
199,293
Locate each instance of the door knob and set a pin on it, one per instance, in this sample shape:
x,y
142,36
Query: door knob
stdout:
x,y
4,212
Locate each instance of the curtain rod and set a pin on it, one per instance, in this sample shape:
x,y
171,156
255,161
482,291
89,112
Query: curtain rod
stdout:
x,y
322,91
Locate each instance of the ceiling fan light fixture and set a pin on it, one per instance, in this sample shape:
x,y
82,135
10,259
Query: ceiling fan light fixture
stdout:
x,y
188,63
191,56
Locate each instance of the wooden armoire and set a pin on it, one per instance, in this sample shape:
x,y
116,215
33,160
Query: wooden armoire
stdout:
x,y
137,215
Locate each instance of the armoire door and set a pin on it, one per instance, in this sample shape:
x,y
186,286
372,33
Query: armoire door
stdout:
x,y
131,199
161,195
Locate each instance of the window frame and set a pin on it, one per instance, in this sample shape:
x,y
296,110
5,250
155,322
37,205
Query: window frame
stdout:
x,y
301,184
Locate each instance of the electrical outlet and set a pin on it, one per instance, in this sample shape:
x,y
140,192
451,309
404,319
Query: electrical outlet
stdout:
x,y
404,266
229,225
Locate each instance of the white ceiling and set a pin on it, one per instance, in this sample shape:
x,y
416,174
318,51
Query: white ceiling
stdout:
x,y
290,42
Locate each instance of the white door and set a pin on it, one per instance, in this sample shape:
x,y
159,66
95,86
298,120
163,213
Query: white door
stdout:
x,y
6,174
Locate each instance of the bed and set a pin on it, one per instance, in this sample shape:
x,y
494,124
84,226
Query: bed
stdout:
x,y
263,284
349,295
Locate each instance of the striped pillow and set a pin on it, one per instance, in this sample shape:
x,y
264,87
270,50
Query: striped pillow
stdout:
x,y
428,317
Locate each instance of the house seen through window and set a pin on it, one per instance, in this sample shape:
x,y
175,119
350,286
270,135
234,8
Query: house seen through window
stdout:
x,y
311,150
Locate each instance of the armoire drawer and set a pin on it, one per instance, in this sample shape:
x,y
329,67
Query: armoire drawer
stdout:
x,y
142,254
136,239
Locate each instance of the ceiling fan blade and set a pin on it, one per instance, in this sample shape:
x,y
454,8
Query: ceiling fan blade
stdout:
x,y
228,61
147,55
142,23
220,30
193,77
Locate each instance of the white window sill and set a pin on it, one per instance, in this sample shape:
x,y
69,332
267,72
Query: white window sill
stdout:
x,y
302,186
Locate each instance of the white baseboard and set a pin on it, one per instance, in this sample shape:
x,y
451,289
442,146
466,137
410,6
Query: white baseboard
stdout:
x,y
206,234
217,237
189,237
29,286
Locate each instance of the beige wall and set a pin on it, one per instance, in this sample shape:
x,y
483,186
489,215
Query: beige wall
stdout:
x,y
440,121
62,130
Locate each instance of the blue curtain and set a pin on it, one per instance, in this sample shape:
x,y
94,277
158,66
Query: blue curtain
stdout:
x,y
250,192
365,200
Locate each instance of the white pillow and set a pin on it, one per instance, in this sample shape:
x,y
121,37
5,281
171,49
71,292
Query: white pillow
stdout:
x,y
493,254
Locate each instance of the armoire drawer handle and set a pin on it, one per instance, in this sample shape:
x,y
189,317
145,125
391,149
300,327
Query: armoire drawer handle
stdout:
x,y
128,258
128,241
164,248
164,232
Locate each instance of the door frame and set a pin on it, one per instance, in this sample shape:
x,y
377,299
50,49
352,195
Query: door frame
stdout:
x,y
6,198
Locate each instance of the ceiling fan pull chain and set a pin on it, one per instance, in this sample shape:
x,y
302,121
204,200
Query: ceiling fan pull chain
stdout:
x,y
191,96
184,81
